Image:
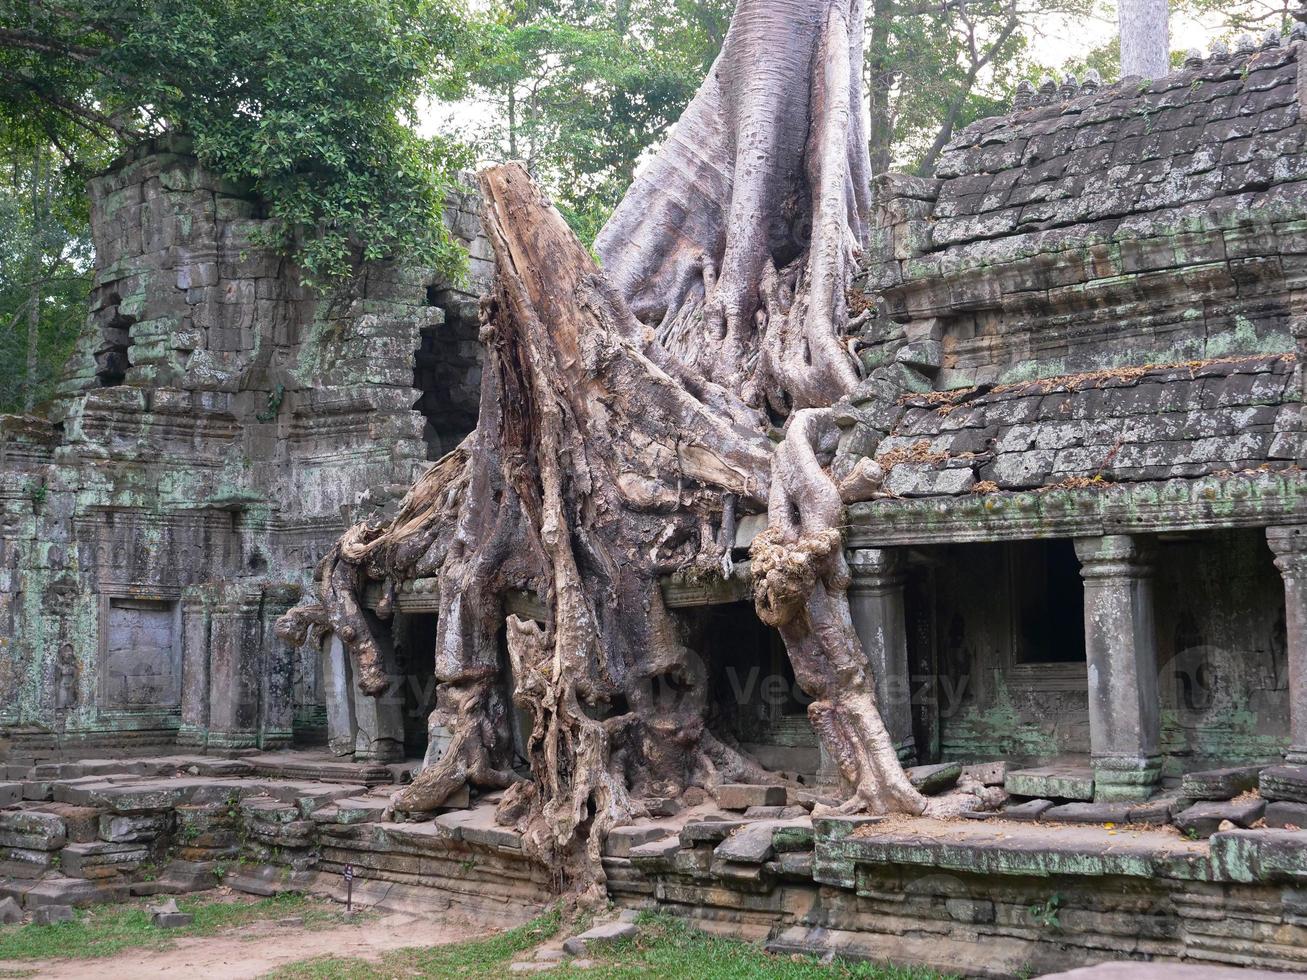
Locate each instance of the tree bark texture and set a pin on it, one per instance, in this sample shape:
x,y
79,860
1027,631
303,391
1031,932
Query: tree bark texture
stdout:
x,y
1145,37
624,425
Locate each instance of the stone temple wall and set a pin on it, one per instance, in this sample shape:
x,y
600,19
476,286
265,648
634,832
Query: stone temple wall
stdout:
x,y
1083,347
217,428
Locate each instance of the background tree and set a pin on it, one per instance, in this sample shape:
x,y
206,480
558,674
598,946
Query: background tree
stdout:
x,y
1145,37
308,102
579,89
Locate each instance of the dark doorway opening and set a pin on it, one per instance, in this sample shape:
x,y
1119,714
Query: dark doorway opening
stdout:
x,y
447,371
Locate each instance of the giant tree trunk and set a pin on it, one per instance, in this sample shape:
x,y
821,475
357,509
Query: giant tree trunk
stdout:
x,y
623,427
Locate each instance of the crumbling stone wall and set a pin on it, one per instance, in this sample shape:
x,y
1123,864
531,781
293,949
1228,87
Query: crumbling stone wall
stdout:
x,y
217,428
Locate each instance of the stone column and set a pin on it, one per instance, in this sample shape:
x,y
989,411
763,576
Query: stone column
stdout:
x,y
235,641
876,605
1121,649
338,687
1290,547
194,728
380,718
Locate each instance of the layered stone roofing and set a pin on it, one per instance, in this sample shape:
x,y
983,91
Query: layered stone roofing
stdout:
x,y
1223,126
1154,423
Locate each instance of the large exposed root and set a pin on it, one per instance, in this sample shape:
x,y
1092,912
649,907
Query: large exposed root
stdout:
x,y
621,433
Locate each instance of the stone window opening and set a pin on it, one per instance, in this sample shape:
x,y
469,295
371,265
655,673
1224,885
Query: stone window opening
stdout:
x,y
113,357
447,371
1049,611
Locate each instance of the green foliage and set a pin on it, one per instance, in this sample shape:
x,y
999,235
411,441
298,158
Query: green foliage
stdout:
x,y
580,89
45,260
307,102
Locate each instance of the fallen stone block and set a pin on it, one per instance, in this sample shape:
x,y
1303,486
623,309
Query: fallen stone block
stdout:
x,y
1219,784
1152,812
749,844
1100,813
101,859
606,933
10,793
657,854
123,828
622,839
1052,782
32,829
365,809
38,789
741,796
10,911
933,779
18,862
1205,819
73,891
169,916
986,773
1284,783
1286,815
708,831
48,915
1028,812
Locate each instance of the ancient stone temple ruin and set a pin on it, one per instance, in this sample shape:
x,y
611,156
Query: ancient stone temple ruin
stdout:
x,y
1083,582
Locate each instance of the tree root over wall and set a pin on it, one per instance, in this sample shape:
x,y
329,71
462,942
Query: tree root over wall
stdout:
x,y
623,426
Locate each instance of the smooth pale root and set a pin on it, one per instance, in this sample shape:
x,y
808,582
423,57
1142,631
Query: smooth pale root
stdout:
x,y
621,430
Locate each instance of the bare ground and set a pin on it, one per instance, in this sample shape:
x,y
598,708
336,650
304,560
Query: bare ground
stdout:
x,y
256,949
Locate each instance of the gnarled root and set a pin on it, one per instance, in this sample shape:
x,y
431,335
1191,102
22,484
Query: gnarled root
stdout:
x,y
466,760
800,581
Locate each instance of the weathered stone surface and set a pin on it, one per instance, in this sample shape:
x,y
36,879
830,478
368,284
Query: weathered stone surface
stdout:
x,y
935,778
1051,782
1028,812
10,912
1284,783
741,796
48,915
622,839
1205,819
101,859
606,933
1219,784
987,773
1286,815
126,828
1097,813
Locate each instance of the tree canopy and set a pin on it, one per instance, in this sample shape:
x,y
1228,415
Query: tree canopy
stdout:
x,y
308,102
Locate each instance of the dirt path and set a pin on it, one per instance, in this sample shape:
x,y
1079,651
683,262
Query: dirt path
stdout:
x,y
254,950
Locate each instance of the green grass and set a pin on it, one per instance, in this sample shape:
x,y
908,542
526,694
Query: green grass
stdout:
x,y
665,948
109,929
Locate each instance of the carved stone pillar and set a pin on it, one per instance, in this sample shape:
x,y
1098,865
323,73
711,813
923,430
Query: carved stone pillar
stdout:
x,y
1121,649
235,640
380,718
194,729
876,605
338,687
1290,547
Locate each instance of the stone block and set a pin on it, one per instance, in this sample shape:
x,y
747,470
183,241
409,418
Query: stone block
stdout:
x,y
741,796
73,891
987,773
10,793
1028,812
1098,813
1052,782
129,828
38,789
10,912
970,910
750,844
708,831
1219,784
1286,815
48,915
936,778
32,829
1205,819
101,860
622,839
607,933
1284,783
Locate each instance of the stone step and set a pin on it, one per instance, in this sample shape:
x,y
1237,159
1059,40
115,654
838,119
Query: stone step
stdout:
x,y
1219,784
1052,782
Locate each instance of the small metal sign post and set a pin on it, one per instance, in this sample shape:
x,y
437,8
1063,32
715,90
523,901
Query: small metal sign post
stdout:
x,y
349,888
